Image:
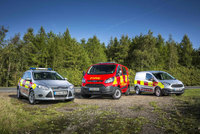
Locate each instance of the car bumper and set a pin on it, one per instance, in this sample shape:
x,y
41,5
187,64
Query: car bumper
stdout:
x,y
109,90
50,95
173,91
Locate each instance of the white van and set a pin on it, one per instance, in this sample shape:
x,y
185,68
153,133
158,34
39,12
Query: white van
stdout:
x,y
158,82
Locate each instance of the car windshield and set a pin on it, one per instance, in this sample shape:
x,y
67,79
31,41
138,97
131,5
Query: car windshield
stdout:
x,y
163,76
47,76
102,69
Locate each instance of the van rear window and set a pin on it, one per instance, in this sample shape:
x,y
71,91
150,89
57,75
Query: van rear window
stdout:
x,y
102,69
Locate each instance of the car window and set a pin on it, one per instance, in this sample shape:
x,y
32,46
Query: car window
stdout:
x,y
24,75
124,71
148,76
28,75
118,70
47,76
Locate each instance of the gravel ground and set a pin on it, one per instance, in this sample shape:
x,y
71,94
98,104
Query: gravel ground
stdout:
x,y
131,106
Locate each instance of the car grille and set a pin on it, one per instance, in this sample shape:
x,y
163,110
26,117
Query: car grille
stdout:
x,y
95,80
58,88
177,85
60,96
94,85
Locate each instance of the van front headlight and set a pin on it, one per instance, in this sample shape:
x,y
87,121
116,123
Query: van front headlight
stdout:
x,y
166,83
110,80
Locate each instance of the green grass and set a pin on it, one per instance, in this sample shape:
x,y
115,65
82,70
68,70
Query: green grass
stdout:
x,y
184,117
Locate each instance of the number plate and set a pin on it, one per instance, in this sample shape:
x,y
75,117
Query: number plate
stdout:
x,y
93,89
177,89
60,93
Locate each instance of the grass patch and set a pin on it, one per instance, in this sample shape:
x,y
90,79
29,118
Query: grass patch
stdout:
x,y
184,117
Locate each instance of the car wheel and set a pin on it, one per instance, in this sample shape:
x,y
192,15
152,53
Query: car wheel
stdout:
x,y
31,97
19,96
137,90
127,91
117,94
158,92
86,95
178,94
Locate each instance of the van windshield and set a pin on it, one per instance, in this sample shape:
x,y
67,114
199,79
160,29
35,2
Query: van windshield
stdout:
x,y
102,69
163,76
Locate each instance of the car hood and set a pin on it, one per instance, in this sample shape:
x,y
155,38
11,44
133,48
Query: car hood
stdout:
x,y
53,83
172,81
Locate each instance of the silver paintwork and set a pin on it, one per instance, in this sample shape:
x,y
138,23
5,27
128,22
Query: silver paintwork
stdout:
x,y
52,85
142,75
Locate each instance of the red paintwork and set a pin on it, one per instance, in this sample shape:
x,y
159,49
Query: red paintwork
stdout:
x,y
104,77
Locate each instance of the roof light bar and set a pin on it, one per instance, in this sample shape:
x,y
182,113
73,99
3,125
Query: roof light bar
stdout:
x,y
34,68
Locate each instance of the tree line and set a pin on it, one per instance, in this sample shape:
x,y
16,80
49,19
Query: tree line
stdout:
x,y
70,57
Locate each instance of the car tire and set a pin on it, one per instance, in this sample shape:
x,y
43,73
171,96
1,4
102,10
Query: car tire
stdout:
x,y
127,91
31,97
19,96
86,95
117,94
158,92
137,90
178,94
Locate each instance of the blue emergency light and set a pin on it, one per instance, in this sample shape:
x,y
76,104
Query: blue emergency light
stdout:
x,y
34,68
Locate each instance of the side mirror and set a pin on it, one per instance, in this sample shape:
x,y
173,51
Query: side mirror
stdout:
x,y
28,79
65,78
83,73
151,79
120,72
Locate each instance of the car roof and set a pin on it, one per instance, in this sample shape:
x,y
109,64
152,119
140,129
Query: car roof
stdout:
x,y
39,71
151,72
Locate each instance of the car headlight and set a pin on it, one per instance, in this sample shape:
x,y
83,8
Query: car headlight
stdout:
x,y
83,80
42,87
110,80
71,87
166,83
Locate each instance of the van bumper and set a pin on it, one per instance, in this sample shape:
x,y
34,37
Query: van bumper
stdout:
x,y
109,90
173,91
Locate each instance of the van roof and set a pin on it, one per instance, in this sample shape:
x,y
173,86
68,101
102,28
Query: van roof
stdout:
x,y
151,72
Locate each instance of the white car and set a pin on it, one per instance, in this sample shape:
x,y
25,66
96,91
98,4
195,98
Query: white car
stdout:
x,y
44,84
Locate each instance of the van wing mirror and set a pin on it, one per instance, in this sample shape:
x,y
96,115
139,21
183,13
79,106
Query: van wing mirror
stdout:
x,y
151,79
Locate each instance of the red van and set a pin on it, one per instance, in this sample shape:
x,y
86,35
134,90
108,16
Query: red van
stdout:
x,y
105,79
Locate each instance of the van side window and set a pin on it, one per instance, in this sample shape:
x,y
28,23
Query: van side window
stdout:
x,y
124,71
148,76
118,71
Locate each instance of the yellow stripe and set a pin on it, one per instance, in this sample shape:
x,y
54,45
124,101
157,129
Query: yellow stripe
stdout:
x,y
135,81
141,82
150,84
33,86
160,85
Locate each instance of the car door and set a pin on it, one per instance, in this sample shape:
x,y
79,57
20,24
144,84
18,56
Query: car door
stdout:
x,y
22,84
148,83
28,79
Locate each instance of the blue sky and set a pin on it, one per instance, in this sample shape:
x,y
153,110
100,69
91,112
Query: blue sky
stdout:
x,y
104,18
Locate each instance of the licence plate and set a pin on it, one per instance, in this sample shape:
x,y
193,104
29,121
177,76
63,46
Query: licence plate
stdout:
x,y
93,89
177,89
60,93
